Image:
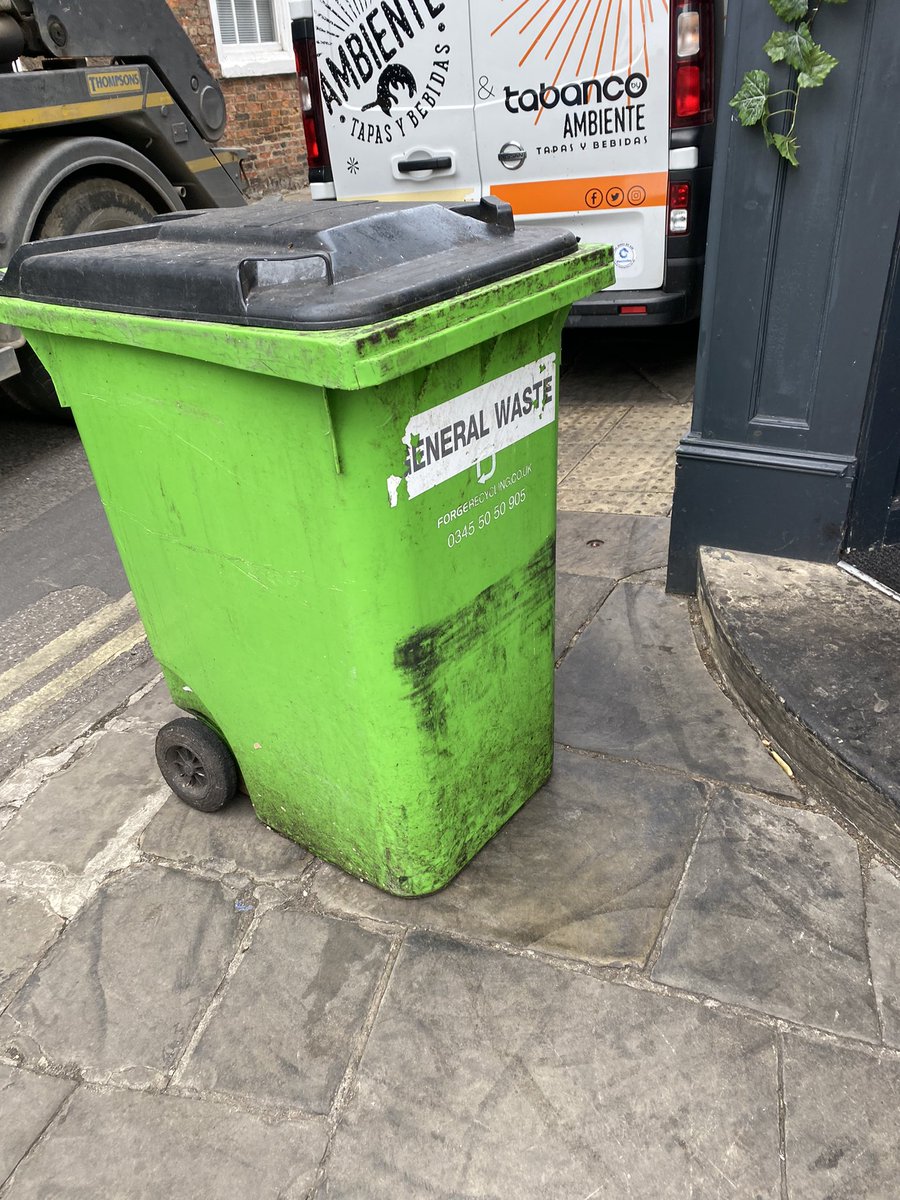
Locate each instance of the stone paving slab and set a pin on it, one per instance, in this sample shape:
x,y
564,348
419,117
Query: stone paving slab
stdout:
x,y
586,869
570,453
634,685
122,990
610,545
153,710
840,1123
493,1077
588,419
27,928
233,839
883,926
813,652
632,469
287,1025
27,1105
668,360
582,424
608,382
131,1146
849,701
771,917
633,364
79,811
578,597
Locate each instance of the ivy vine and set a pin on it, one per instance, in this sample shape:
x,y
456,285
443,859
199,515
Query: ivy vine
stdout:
x,y
811,63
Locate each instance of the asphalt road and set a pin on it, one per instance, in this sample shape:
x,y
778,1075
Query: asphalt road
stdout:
x,y
70,638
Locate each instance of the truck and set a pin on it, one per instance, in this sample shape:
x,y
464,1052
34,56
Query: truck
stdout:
x,y
594,114
108,117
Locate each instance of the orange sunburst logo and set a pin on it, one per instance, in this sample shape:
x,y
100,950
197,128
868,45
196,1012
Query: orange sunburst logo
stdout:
x,y
594,37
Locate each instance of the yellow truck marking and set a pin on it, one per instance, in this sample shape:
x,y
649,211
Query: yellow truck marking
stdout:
x,y
54,114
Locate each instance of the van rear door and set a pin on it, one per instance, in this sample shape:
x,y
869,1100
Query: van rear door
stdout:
x,y
572,120
396,88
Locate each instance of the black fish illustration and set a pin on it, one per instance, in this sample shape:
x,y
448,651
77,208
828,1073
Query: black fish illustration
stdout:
x,y
394,76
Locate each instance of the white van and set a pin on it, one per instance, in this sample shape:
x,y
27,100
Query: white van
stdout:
x,y
595,114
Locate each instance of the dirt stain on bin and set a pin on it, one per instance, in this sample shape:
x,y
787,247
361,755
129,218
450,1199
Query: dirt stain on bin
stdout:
x,y
451,667
430,656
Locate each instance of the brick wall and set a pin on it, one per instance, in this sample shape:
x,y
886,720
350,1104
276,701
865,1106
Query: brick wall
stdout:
x,y
263,111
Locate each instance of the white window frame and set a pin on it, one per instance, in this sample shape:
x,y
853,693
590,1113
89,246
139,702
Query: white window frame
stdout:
x,y
257,58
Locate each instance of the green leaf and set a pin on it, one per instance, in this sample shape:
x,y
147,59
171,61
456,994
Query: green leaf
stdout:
x,y
793,10
817,65
790,45
797,48
786,145
752,98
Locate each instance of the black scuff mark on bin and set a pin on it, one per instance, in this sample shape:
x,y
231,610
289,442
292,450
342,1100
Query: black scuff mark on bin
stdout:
x,y
475,635
384,333
518,596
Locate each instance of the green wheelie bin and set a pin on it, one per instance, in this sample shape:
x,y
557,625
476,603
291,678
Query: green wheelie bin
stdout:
x,y
325,439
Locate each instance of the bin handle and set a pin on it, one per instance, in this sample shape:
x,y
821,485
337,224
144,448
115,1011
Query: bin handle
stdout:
x,y
490,210
255,274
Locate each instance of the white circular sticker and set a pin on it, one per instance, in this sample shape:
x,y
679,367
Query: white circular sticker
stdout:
x,y
625,256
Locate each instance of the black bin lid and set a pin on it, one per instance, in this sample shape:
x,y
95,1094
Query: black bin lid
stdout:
x,y
290,265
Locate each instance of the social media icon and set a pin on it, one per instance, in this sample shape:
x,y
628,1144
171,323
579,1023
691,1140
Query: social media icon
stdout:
x,y
636,195
593,197
614,197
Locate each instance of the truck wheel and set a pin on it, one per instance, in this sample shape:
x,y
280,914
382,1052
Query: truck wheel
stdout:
x,y
88,206
196,764
91,206
32,389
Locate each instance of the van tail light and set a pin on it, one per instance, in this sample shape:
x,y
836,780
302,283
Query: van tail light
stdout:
x,y
679,208
311,103
693,47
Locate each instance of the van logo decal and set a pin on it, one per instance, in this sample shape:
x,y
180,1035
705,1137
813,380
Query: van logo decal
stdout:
x,y
393,76
512,155
358,44
609,38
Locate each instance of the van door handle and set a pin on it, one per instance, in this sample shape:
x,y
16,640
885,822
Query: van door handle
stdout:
x,y
408,165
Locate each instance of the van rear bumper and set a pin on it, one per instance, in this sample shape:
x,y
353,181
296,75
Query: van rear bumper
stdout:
x,y
673,304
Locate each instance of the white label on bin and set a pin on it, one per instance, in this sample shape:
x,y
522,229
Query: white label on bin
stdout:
x,y
469,430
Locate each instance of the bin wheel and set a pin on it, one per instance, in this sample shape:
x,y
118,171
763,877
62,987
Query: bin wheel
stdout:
x,y
196,764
